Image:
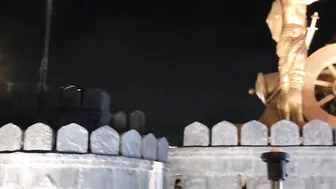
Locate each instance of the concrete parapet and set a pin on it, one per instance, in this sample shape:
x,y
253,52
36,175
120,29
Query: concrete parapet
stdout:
x,y
73,171
215,167
73,138
254,133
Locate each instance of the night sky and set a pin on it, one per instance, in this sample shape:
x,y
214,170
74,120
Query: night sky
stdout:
x,y
178,61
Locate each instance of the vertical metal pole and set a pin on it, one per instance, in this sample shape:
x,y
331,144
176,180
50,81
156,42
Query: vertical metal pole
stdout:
x,y
45,59
276,184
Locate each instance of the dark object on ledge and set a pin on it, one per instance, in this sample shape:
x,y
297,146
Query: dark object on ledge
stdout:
x,y
276,167
70,104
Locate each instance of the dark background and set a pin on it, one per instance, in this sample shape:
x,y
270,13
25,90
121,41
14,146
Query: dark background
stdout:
x,y
178,61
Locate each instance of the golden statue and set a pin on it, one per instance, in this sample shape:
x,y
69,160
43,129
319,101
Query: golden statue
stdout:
x,y
304,87
283,91
288,25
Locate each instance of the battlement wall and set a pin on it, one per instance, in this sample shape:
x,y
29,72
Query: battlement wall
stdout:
x,y
73,158
255,133
210,160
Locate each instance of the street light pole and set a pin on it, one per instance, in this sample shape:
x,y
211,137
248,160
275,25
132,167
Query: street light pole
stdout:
x,y
45,58
42,85
276,167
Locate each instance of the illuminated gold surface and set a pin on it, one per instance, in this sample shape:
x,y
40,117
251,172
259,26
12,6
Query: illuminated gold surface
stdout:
x,y
312,29
320,77
275,150
287,23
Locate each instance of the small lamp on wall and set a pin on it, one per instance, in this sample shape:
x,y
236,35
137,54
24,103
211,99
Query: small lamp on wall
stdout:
x,y
276,167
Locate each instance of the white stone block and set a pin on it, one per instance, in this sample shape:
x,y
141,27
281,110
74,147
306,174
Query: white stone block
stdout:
x,y
196,134
317,132
105,140
130,144
254,133
224,133
285,133
163,148
149,147
11,137
72,138
38,137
